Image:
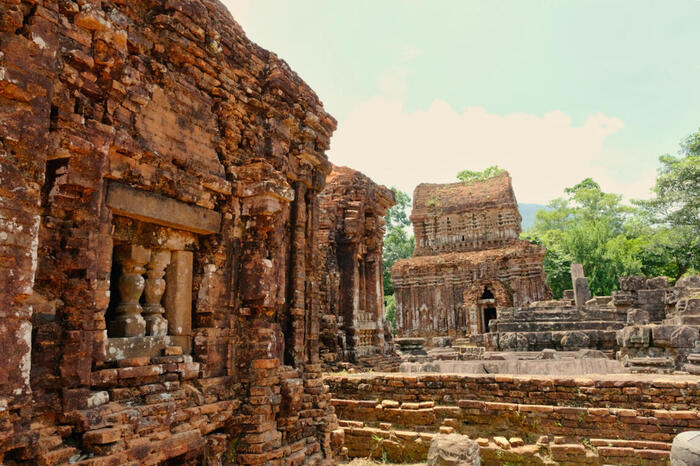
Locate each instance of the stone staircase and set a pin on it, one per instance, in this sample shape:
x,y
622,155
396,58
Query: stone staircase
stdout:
x,y
558,325
649,365
693,365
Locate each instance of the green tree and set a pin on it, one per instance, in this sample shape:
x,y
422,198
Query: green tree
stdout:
x,y
674,212
588,226
390,310
469,176
398,244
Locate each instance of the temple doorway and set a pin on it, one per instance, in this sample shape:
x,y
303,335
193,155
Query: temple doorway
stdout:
x,y
489,315
487,308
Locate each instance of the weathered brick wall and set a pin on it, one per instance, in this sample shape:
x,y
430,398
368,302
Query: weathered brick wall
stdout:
x,y
438,295
489,419
622,391
170,101
350,250
526,420
27,67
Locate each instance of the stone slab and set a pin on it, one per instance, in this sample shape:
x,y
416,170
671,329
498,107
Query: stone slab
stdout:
x,y
150,207
133,347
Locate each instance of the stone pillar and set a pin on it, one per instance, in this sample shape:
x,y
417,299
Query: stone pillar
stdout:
x,y
178,293
128,321
313,305
375,301
295,338
155,286
580,283
349,294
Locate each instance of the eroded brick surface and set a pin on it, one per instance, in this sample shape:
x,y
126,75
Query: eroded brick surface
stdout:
x,y
171,100
468,260
621,419
353,328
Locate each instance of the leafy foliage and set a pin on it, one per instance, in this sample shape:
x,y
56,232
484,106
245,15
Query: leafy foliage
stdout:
x,y
398,244
390,310
660,236
674,211
469,176
586,227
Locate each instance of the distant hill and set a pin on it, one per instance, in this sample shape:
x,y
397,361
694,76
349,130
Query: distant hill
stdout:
x,y
528,212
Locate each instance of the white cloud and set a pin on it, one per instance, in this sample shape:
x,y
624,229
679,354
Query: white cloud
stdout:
x,y
544,154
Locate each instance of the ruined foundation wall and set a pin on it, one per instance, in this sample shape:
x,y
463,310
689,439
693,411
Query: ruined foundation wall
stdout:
x,y
590,391
152,142
350,249
519,419
663,324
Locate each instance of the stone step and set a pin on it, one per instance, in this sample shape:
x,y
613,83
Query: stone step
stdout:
x,y
553,326
636,444
651,365
692,369
546,315
683,320
563,315
651,362
539,340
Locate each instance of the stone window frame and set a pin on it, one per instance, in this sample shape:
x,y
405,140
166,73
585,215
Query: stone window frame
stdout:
x,y
162,275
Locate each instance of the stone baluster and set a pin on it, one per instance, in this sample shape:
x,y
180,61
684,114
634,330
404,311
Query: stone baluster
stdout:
x,y
156,324
127,321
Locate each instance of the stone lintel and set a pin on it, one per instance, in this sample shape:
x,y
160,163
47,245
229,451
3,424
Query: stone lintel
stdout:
x,y
154,208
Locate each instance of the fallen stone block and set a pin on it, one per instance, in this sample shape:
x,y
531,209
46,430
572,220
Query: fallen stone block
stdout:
x,y
685,450
453,450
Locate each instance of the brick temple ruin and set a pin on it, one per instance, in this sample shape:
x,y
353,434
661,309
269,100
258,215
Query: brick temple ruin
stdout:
x,y
351,234
159,209
468,262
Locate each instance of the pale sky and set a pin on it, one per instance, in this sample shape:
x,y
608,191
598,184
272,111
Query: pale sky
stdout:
x,y
554,91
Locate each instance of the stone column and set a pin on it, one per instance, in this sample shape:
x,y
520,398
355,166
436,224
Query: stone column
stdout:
x,y
178,293
295,339
582,292
156,325
128,321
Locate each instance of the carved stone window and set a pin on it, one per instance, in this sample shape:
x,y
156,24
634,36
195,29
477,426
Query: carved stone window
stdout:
x,y
144,288
152,266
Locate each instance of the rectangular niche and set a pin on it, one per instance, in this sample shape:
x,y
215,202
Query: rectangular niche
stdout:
x,y
155,241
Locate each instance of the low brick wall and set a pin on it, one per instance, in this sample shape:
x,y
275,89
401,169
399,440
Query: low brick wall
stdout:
x,y
594,420
621,391
488,419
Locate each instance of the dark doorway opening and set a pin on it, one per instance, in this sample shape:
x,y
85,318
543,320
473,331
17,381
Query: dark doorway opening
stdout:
x,y
489,315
